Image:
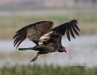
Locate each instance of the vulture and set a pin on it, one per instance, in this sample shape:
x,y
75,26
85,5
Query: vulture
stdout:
x,y
46,38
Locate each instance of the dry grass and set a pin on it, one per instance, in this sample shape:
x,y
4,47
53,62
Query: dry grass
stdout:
x,y
10,23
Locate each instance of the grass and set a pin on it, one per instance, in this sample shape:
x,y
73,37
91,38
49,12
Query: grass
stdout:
x,y
47,70
10,23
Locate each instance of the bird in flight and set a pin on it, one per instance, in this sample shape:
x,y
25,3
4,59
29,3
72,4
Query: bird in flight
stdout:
x,y
46,38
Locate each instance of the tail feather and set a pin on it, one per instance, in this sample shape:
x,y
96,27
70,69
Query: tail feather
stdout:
x,y
24,48
31,48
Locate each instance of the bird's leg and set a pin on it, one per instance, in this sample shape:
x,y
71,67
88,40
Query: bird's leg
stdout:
x,y
36,57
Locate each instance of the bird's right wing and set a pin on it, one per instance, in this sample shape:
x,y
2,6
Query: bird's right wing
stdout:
x,y
32,31
55,35
68,28
52,39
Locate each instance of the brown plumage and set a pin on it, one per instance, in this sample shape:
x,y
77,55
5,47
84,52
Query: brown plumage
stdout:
x,y
46,38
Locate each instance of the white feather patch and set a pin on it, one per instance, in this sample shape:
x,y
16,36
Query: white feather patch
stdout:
x,y
40,43
44,38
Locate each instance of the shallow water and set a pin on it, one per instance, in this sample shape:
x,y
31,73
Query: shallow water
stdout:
x,y
82,51
79,42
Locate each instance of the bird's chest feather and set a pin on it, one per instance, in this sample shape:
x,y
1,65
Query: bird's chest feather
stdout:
x,y
49,48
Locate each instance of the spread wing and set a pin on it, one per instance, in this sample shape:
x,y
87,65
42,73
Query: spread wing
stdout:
x,y
68,28
32,31
55,35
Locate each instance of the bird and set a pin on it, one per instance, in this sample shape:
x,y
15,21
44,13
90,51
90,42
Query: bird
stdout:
x,y
46,37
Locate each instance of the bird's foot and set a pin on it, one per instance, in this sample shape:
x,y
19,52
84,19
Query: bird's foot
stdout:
x,y
35,58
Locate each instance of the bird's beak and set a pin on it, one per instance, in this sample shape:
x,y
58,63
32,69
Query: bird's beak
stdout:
x,y
65,50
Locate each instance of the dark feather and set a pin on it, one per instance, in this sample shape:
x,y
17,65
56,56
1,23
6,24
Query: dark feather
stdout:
x,y
60,29
32,31
68,27
75,30
68,35
72,33
76,27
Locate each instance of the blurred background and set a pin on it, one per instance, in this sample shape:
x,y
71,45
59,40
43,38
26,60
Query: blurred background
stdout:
x,y
82,56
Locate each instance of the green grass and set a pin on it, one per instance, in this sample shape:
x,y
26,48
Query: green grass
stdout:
x,y
47,70
9,24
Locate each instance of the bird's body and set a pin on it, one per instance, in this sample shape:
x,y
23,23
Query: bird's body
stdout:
x,y
46,38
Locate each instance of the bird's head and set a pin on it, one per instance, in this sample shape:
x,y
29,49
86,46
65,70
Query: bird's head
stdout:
x,y
63,49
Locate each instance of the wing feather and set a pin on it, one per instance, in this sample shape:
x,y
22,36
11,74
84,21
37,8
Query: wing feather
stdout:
x,y
72,33
76,27
33,31
68,34
68,27
75,30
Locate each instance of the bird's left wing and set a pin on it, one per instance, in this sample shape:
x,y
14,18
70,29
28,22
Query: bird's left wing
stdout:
x,y
33,31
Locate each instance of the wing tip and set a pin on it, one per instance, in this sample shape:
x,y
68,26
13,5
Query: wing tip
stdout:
x,y
69,39
74,21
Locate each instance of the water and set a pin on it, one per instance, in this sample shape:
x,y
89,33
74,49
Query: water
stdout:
x,y
82,41
82,51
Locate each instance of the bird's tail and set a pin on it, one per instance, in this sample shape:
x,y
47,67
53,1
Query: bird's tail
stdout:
x,y
30,48
24,48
